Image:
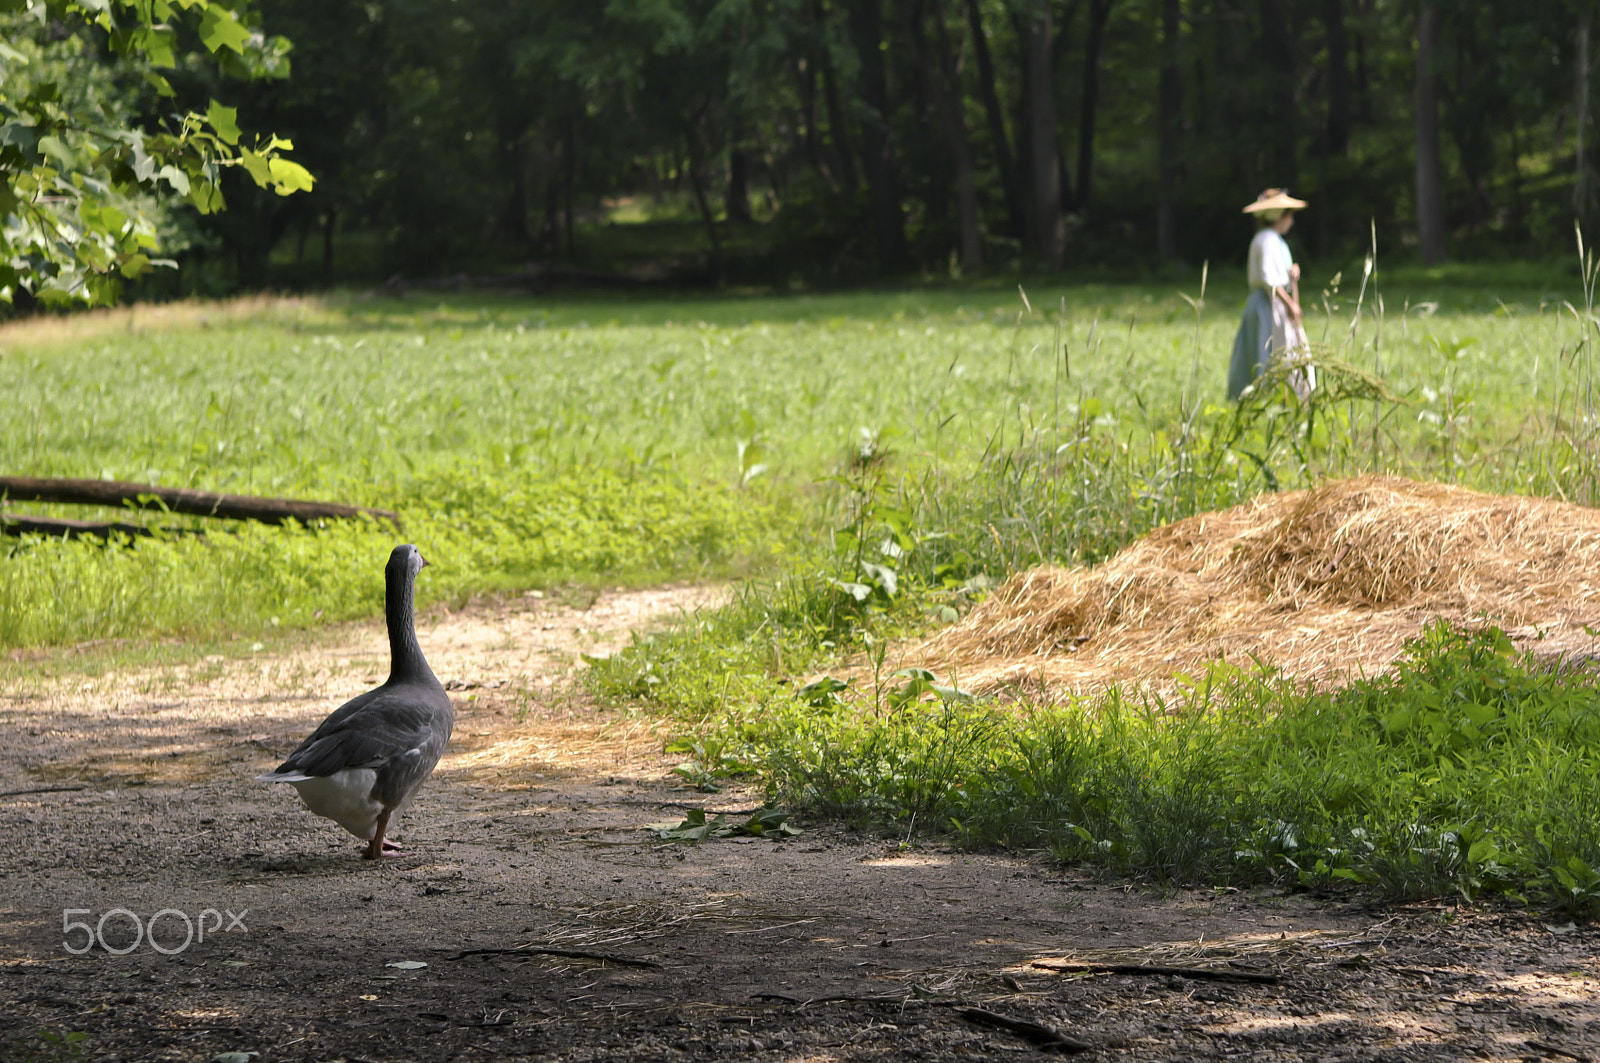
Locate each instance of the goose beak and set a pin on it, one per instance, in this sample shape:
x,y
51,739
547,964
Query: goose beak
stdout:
x,y
422,559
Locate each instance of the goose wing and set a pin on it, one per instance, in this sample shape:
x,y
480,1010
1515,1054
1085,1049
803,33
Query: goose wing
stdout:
x,y
372,731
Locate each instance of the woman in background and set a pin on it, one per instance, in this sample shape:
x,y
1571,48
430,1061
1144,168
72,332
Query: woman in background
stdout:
x,y
1271,327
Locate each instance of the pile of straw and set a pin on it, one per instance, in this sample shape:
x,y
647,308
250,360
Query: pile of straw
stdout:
x,y
1319,583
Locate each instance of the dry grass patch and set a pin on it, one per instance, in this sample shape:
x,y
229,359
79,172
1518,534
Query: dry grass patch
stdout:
x,y
1322,583
49,330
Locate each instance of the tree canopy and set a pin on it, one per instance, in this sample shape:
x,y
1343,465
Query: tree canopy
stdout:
x,y
87,152
827,138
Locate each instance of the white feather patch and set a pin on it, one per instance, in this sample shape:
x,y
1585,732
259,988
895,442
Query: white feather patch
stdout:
x,y
344,797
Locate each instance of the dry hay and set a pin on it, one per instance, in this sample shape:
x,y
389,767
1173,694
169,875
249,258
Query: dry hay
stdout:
x,y
1319,583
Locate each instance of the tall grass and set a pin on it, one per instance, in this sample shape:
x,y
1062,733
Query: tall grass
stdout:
x,y
877,461
977,431
1468,770
1435,779
599,526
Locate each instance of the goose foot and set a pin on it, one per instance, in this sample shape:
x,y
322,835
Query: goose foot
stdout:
x,y
380,846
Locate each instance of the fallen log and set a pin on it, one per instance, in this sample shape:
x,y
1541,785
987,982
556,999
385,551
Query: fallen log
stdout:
x,y
65,528
183,500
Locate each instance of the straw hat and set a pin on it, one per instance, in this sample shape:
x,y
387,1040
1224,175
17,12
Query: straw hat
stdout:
x,y
1274,199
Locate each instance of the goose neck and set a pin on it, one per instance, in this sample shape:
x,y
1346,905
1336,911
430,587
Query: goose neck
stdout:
x,y
405,654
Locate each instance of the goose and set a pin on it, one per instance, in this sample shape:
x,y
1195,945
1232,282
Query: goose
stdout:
x,y
367,759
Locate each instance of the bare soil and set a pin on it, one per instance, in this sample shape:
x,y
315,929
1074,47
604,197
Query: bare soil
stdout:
x,y
836,945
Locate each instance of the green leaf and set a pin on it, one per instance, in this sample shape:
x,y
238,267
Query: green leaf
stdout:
x,y
220,28
58,150
859,591
694,827
144,167
824,692
883,575
135,266
159,83
156,43
176,178
206,197
20,134
766,823
257,165
225,120
290,177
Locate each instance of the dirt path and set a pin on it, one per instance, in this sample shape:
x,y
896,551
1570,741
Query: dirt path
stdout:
x,y
836,945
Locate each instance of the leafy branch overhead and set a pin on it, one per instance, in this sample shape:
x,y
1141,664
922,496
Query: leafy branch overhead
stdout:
x,y
79,179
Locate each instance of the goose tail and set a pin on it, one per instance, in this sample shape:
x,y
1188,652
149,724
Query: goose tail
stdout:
x,y
283,776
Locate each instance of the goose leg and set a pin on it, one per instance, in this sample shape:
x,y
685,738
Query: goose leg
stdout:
x,y
378,846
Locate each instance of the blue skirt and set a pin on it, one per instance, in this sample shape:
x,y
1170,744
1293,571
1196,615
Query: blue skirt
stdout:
x,y
1252,347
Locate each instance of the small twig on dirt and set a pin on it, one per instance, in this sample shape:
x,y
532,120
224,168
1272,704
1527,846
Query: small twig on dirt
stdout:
x,y
43,790
1046,1038
571,954
1150,969
764,929
1552,1050
799,1003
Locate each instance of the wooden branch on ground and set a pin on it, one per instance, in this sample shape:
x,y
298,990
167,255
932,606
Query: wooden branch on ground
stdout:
x,y
1261,978
1043,1036
784,998
65,528
572,954
43,790
183,500
1552,1050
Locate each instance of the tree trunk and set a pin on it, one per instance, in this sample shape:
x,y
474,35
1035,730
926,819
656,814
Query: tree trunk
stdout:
x,y
697,179
1005,159
738,197
807,73
943,76
1046,235
1363,70
1283,156
514,168
838,131
330,219
550,231
935,168
1337,133
1425,104
883,186
1583,193
1170,106
569,176
1089,101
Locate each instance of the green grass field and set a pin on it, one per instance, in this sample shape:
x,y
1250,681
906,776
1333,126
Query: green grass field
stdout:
x,y
871,461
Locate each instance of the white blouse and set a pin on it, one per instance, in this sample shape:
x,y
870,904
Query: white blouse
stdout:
x,y
1269,260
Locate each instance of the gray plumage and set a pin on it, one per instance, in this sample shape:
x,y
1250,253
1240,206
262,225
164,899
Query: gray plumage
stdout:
x,y
366,759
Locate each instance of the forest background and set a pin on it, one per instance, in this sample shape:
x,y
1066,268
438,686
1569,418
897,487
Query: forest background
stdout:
x,y
801,142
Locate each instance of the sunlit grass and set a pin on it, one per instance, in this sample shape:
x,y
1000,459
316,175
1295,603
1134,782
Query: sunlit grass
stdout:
x,y
515,433
873,459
